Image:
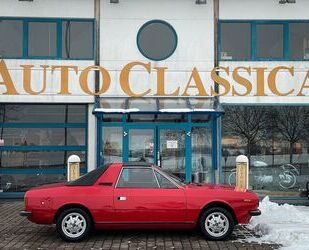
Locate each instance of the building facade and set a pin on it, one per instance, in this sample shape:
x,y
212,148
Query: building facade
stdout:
x,y
188,86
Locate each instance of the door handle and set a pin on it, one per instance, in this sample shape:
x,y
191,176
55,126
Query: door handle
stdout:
x,y
122,198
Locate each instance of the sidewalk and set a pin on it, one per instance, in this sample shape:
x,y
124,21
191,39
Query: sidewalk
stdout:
x,y
17,232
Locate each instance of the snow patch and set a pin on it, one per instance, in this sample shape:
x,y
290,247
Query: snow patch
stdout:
x,y
111,110
286,225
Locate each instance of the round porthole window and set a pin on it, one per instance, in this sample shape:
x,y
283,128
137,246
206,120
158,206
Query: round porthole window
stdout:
x,y
157,40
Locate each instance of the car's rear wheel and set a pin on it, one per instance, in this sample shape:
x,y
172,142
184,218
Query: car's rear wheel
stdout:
x,y
74,224
216,223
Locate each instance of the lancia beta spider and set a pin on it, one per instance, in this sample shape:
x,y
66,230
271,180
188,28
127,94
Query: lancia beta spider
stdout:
x,y
132,195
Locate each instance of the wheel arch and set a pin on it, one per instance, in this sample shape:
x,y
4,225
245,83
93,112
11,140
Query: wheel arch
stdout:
x,y
72,205
220,204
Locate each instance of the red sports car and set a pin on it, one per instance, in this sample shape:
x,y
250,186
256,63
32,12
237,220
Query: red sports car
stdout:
x,y
138,196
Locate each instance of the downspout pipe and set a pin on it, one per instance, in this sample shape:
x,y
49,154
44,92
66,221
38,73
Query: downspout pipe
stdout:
x,y
97,77
97,47
216,38
217,121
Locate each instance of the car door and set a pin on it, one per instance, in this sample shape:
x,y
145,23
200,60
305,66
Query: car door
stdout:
x,y
138,198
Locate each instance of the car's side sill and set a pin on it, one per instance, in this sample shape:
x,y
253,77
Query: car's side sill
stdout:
x,y
146,222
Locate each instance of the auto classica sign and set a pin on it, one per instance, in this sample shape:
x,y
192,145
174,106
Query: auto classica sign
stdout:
x,y
237,81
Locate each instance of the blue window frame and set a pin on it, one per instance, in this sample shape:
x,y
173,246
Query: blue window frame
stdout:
x,y
124,127
60,42
36,141
286,30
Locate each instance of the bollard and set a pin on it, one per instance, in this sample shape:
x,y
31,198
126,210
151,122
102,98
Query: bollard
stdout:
x,y
73,168
242,172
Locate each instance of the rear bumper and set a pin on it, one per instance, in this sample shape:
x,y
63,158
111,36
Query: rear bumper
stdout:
x,y
25,213
256,212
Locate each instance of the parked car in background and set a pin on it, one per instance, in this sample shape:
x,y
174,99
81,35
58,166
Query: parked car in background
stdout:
x,y
136,195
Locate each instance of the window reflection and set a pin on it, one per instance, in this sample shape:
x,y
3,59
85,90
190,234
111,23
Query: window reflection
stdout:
x,y
42,39
236,41
201,154
43,136
37,159
11,33
299,40
24,126
112,144
269,40
275,139
77,39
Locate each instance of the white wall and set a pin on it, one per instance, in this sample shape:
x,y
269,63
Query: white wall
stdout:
x,y
53,87
285,82
263,9
119,27
48,8
92,142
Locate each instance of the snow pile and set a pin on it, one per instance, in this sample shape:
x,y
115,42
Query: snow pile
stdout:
x,y
286,225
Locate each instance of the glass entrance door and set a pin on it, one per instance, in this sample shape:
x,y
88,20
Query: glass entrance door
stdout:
x,y
201,154
172,153
141,145
183,151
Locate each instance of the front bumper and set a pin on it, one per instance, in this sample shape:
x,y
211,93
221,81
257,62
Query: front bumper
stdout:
x,y
25,213
256,212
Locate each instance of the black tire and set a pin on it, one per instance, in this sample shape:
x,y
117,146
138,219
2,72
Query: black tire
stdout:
x,y
82,224
226,223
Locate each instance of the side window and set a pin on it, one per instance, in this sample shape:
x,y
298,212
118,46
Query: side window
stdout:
x,y
137,178
164,182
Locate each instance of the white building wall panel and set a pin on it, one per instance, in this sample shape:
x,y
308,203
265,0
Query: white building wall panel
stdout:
x,y
119,27
53,82
263,9
285,82
48,8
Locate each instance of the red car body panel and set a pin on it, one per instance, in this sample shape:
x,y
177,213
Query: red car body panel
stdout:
x,y
143,208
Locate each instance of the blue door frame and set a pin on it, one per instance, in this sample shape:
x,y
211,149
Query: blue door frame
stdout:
x,y
186,126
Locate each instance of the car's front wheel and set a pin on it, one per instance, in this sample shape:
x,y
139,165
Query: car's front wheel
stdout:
x,y
216,223
74,224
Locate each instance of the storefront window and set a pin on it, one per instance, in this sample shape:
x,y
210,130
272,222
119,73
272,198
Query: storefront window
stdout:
x,y
275,139
43,136
299,41
44,113
235,41
23,182
37,140
36,159
11,33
